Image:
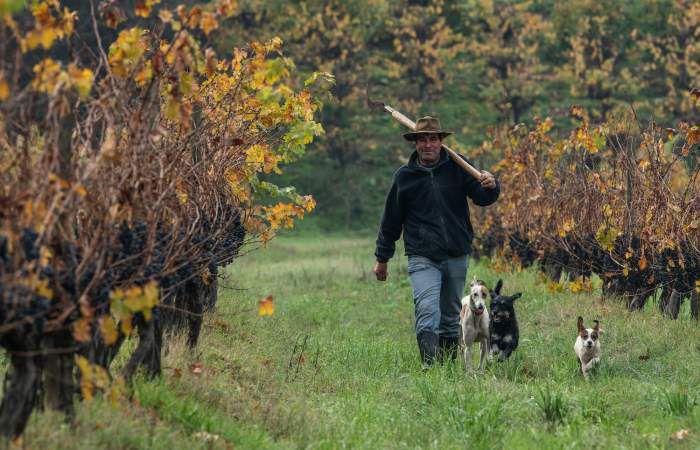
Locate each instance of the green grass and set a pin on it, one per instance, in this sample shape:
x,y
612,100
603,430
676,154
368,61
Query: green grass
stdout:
x,y
337,366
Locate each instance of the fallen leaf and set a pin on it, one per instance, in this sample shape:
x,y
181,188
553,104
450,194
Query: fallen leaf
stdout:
x,y
680,434
642,264
196,368
266,307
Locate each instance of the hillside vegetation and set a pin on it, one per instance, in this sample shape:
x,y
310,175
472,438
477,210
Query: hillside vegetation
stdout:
x,y
337,366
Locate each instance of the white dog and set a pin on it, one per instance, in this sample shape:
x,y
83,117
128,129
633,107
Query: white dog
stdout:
x,y
587,346
474,323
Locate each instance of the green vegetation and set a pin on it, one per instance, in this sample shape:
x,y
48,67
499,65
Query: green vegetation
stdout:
x,y
337,366
478,65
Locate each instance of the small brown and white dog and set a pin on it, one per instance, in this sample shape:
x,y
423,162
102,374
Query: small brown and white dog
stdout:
x,y
587,346
474,323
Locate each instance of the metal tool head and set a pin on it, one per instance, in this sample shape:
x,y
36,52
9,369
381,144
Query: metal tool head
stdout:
x,y
374,104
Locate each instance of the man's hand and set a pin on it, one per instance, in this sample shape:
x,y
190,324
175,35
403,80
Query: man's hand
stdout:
x,y
488,181
380,270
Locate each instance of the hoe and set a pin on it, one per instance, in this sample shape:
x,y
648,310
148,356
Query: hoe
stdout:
x,y
408,123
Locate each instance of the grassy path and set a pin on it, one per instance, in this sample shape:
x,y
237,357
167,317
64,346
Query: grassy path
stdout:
x,y
337,366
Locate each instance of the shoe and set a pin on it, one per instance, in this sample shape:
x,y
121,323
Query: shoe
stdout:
x,y
428,347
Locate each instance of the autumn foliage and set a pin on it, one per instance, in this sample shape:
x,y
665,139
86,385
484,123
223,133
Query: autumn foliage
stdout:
x,y
131,172
475,65
619,200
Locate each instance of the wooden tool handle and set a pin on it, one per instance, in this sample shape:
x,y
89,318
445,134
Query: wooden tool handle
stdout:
x,y
471,170
408,123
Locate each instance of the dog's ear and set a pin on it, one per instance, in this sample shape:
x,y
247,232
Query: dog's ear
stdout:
x,y
516,296
580,324
498,287
596,327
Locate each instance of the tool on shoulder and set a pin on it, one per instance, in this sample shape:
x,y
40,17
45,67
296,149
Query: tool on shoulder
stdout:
x,y
408,123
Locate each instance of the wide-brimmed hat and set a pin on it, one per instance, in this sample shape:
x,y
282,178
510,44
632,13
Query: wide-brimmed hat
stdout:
x,y
426,125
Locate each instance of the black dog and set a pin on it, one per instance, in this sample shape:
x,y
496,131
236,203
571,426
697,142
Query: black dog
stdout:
x,y
504,326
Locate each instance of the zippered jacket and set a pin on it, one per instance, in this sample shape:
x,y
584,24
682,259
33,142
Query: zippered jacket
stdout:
x,y
429,206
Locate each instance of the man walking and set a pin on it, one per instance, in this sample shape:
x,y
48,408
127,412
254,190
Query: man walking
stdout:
x,y
427,202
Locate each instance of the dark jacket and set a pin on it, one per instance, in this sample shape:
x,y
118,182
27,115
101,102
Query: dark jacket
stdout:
x,y
430,207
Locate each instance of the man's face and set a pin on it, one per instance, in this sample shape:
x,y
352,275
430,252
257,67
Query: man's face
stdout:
x,y
428,147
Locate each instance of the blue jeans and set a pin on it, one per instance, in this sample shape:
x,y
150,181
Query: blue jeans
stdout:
x,y
437,293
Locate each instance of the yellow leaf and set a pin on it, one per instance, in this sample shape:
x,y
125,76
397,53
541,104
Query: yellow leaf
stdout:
x,y
181,195
194,16
86,386
283,214
172,109
143,7
43,37
144,75
208,23
81,79
45,255
116,390
553,286
126,52
206,276
576,286
108,329
37,284
60,182
187,83
4,88
625,271
43,289
266,307
126,326
48,73
567,226
606,237
607,210
82,363
256,154
81,330
307,202
227,7
136,299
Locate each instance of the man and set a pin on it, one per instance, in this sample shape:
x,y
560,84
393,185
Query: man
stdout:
x,y
427,201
